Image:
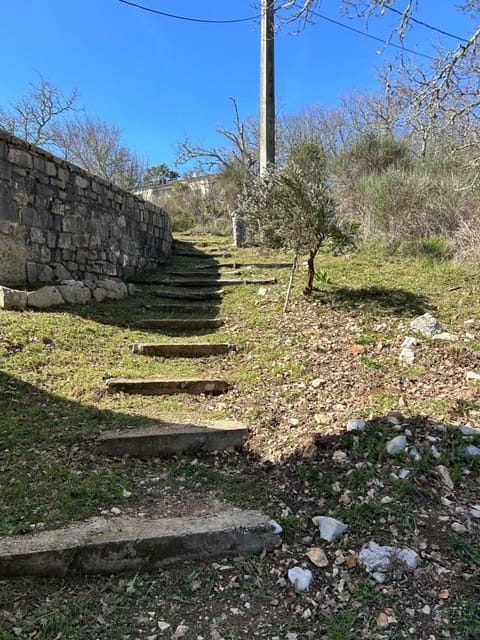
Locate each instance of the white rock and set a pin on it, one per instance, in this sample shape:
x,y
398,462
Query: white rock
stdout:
x,y
471,451
475,513
262,291
12,299
444,474
331,529
473,375
396,445
445,336
113,289
163,626
435,452
378,560
300,578
44,297
409,341
413,452
427,325
275,526
318,557
459,528
75,292
356,425
403,474
467,430
407,355
393,420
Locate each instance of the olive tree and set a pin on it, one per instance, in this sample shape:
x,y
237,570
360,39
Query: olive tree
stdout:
x,y
293,207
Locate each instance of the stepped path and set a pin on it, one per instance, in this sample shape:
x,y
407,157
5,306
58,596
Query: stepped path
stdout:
x,y
106,545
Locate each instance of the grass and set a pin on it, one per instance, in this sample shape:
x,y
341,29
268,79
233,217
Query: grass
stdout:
x,y
54,403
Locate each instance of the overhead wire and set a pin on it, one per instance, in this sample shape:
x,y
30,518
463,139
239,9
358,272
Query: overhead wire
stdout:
x,y
427,25
189,18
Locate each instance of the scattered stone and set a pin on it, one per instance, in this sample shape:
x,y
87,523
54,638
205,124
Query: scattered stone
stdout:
x,y
473,375
331,529
378,561
163,626
356,425
407,355
45,297
471,451
459,528
444,474
409,341
276,528
445,336
340,457
300,578
426,324
396,445
393,420
110,289
413,452
403,474
435,452
262,291
180,632
467,430
475,513
12,299
75,292
318,557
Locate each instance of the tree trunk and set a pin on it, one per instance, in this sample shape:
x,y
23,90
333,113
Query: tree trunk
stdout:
x,y
310,272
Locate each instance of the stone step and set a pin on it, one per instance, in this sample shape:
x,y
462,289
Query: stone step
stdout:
x,y
211,282
178,324
170,439
159,387
181,308
182,350
190,295
238,265
205,273
105,546
201,254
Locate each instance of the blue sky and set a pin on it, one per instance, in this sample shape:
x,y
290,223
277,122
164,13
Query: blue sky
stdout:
x,y
161,79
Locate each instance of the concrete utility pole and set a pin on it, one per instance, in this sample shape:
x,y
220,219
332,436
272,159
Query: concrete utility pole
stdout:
x,y
267,87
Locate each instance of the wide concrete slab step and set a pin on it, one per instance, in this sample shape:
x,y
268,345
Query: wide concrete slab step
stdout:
x,y
182,308
182,350
105,546
201,254
160,387
179,324
190,295
210,282
169,439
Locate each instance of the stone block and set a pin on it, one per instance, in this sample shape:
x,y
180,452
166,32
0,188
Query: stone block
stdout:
x,y
12,299
64,241
37,235
75,293
5,170
50,168
80,182
13,260
8,209
51,239
44,297
20,157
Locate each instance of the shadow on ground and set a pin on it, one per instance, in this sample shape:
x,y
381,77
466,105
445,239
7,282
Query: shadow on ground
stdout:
x,y
398,301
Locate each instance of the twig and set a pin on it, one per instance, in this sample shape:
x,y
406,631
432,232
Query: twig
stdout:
x,y
290,284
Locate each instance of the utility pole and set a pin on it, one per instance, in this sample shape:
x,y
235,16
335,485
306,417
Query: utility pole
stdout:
x,y
267,87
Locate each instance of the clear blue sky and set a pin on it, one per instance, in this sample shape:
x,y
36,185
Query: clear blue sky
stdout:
x,y
161,79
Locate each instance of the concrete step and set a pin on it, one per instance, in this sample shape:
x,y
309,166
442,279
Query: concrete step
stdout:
x,y
105,546
211,282
181,308
201,254
159,387
238,265
182,350
190,295
176,324
210,273
170,439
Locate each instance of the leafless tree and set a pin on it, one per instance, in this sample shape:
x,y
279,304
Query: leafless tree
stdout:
x,y
97,147
34,114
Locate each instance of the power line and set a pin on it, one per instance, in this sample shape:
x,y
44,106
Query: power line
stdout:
x,y
426,24
188,18
369,35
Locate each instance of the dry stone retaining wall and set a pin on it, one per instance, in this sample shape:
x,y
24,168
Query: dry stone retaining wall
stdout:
x,y
58,222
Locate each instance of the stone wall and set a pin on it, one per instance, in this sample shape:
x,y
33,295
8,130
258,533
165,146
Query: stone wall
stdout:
x,y
58,222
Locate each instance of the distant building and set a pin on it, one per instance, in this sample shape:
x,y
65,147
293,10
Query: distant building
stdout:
x,y
156,192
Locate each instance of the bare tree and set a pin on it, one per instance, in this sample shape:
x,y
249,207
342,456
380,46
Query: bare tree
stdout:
x,y
33,116
241,147
97,147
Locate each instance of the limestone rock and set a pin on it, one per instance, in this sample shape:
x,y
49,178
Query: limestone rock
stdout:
x,y
427,325
110,289
331,529
407,355
12,299
44,297
471,451
378,561
356,425
74,292
300,578
396,445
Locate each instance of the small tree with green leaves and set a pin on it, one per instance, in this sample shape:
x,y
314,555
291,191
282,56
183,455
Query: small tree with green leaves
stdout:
x,y
293,206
